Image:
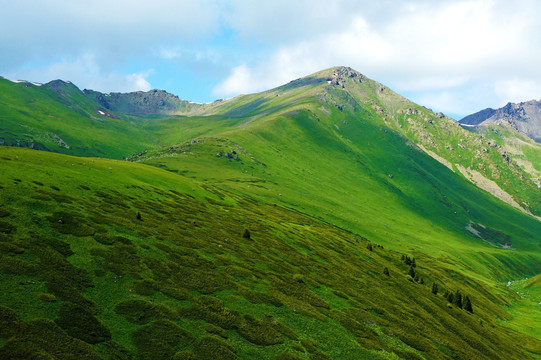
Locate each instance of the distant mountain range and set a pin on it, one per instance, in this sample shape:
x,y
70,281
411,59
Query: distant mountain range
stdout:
x,y
524,117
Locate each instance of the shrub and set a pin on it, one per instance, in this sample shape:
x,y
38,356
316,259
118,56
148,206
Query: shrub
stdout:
x,y
141,311
9,322
43,339
160,339
81,324
6,227
467,304
212,348
215,330
259,332
47,297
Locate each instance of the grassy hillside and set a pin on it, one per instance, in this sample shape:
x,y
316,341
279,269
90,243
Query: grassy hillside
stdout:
x,y
349,169
111,259
268,226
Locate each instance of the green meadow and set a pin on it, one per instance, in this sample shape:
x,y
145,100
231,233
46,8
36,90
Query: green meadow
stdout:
x,y
279,225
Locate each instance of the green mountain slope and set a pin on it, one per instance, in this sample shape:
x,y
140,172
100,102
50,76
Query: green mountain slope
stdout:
x,y
84,276
312,147
150,257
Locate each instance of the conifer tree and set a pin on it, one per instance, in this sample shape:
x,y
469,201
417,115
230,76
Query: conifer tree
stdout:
x,y
407,260
386,271
413,262
138,216
422,281
369,246
402,257
434,288
458,299
416,278
246,234
467,304
411,272
450,298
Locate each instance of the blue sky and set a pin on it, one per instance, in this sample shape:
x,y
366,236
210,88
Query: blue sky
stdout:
x,y
457,57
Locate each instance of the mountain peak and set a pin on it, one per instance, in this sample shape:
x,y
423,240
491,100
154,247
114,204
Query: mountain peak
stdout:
x,y
524,117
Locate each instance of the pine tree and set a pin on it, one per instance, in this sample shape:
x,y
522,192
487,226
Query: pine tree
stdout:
x,y
407,260
467,304
413,262
369,246
458,299
446,294
246,234
434,288
450,298
386,271
411,272
422,281
402,257
138,216
416,278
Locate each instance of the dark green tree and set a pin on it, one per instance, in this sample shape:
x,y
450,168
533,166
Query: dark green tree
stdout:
x,y
246,234
458,299
450,298
411,272
422,281
369,246
386,271
467,304
138,216
434,288
402,257
413,262
407,260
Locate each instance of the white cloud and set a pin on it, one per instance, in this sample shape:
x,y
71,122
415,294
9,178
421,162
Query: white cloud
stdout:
x,y
434,47
86,73
517,90
437,47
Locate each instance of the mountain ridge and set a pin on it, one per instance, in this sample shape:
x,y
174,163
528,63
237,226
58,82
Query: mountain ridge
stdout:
x,y
328,218
524,117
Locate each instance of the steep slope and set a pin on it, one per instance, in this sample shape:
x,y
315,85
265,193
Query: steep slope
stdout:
x,y
110,259
58,117
104,125
524,117
311,146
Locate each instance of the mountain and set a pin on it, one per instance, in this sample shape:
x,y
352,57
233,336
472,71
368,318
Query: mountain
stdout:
x,y
524,117
276,225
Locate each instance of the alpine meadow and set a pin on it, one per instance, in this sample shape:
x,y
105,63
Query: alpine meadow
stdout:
x,y
328,218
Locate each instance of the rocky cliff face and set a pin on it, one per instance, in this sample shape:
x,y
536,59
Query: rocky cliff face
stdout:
x,y
524,117
141,103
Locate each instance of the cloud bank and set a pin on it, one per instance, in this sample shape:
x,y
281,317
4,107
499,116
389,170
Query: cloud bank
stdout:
x,y
452,56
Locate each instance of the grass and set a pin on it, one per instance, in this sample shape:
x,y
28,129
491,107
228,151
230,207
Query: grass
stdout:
x,y
321,293
201,256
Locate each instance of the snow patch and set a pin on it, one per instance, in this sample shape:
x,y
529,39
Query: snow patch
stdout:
x,y
468,125
101,112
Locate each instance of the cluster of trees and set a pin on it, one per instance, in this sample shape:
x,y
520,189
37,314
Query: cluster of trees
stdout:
x,y
461,301
370,248
411,272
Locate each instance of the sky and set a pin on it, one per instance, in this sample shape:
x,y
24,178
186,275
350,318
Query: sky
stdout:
x,y
457,57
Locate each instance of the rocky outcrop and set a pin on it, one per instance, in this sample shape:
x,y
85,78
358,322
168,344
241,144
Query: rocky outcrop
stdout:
x,y
524,117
